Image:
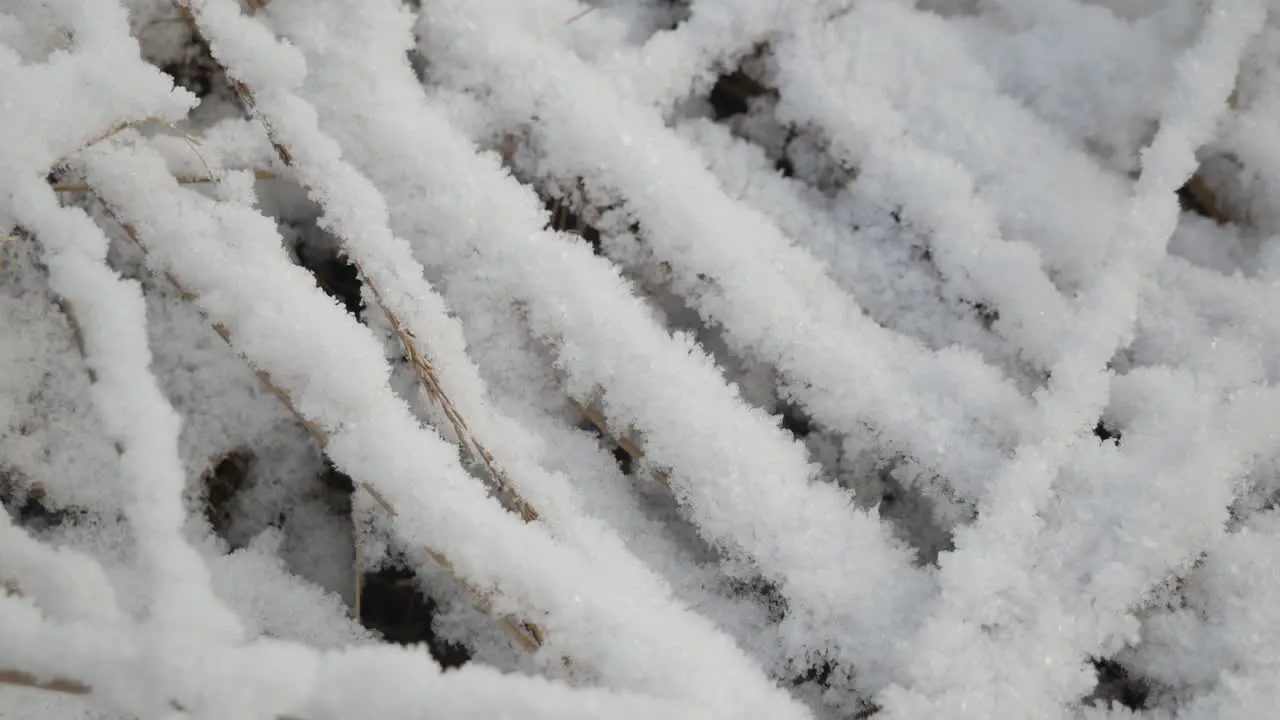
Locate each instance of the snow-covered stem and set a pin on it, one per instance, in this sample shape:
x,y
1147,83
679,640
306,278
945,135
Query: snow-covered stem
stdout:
x,y
75,187
1079,386
737,269
746,487
65,584
317,161
273,679
111,327
432,226
334,184
670,436
526,636
373,436
1218,645
394,279
913,359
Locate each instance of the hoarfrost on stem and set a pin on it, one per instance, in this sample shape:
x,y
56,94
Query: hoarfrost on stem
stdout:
x,y
643,358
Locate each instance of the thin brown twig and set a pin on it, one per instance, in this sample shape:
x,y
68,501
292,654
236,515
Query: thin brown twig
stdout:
x,y
117,129
581,15
77,334
65,686
630,447
321,436
71,686
192,180
431,382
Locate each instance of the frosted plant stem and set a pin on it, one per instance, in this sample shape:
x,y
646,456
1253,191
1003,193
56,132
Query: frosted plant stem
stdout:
x,y
273,679
747,486
773,301
499,341
398,287
373,436
325,176
525,636
1005,531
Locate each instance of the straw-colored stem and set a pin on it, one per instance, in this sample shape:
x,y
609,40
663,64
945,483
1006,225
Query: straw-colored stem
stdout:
x,y
71,686
65,686
194,180
430,379
630,447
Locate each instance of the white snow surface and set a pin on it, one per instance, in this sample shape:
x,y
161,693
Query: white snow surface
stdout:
x,y
837,359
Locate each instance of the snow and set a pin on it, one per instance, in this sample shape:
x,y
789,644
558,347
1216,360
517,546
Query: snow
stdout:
x,y
707,359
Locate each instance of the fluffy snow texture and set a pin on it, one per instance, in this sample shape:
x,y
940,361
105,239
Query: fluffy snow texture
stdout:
x,y
648,358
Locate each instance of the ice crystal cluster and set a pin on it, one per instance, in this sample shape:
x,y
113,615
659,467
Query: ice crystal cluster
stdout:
x,y
555,359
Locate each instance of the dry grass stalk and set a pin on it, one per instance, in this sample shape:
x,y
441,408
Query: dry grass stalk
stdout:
x,y
71,686
117,130
316,431
623,441
430,379
77,335
581,15
194,180
65,686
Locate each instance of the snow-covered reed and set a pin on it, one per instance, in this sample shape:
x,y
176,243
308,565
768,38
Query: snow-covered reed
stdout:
x,y
879,358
